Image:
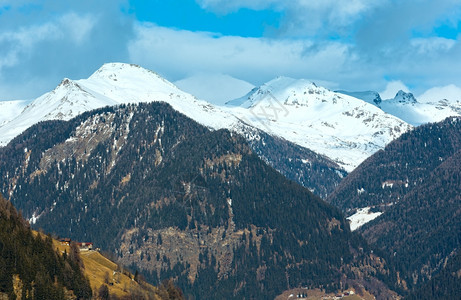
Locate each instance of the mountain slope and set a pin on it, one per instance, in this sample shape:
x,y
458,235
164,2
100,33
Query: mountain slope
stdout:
x,y
43,268
415,182
177,200
312,170
343,128
423,230
11,109
371,97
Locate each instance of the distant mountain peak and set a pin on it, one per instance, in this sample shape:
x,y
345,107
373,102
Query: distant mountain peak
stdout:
x,y
117,67
404,97
284,90
65,82
66,86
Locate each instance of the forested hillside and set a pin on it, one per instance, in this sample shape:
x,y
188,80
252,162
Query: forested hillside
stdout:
x,y
174,199
421,231
30,268
444,285
416,182
312,170
405,164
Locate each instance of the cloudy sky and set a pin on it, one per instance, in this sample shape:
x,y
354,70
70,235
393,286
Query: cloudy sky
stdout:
x,y
381,45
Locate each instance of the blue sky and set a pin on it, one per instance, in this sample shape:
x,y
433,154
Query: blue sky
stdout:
x,y
189,15
381,45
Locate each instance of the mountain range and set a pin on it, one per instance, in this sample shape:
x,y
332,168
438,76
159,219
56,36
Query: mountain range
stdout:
x,y
342,128
345,129
174,199
227,199
121,83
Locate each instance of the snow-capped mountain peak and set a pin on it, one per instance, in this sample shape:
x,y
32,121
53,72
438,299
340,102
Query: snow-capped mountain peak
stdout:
x,y
127,83
120,73
112,84
287,91
404,97
343,128
406,107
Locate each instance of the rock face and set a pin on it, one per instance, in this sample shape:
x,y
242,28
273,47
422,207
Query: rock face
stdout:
x,y
175,199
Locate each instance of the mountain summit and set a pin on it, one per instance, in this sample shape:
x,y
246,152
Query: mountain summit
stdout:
x,y
404,97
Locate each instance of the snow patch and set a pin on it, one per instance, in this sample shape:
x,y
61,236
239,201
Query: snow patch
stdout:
x,y
361,217
34,219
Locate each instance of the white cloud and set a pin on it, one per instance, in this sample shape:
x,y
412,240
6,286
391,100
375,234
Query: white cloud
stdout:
x,y
78,27
450,92
214,88
392,88
179,53
226,6
21,42
303,17
432,46
351,45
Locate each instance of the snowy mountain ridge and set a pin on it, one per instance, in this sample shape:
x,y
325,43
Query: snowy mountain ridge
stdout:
x,y
340,127
416,112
